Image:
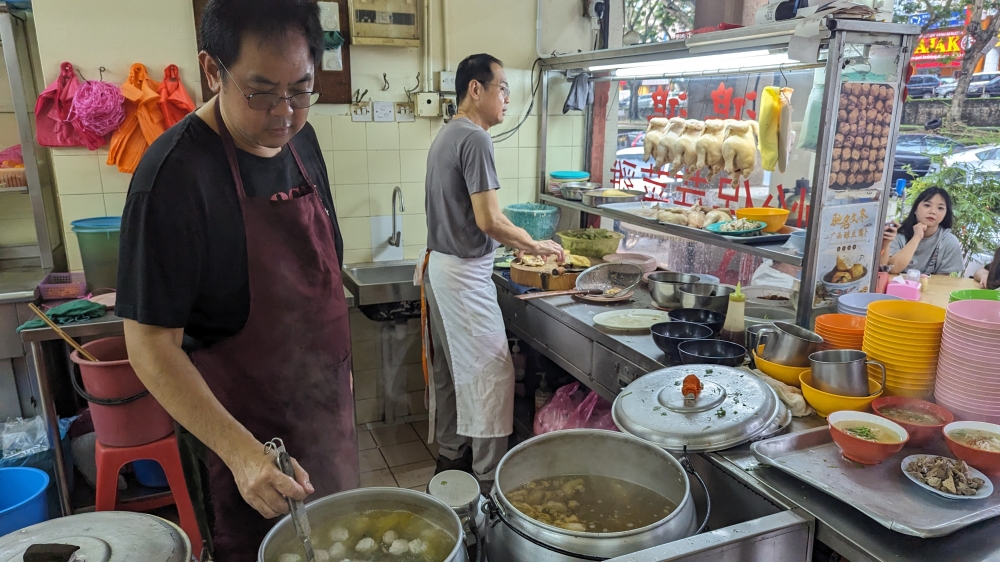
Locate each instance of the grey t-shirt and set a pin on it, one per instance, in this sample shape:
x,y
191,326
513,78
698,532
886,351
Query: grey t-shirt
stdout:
x,y
939,253
459,163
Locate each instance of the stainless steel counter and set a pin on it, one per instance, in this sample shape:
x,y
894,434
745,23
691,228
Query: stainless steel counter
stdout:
x,y
563,330
18,285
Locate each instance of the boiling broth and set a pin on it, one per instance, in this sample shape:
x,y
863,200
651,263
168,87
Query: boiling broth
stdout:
x,y
868,431
910,415
375,536
591,504
977,439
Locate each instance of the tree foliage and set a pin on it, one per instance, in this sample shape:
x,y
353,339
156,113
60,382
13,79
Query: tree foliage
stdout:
x,y
658,20
975,196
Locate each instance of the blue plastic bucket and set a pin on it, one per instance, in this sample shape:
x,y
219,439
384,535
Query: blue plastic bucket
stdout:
x,y
150,474
22,498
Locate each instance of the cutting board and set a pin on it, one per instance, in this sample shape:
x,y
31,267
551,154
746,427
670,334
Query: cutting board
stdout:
x,y
542,277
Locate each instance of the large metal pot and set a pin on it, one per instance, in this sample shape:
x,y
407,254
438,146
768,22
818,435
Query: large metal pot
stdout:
x,y
366,499
585,452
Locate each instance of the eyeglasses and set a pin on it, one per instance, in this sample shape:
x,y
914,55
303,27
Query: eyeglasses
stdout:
x,y
267,102
504,89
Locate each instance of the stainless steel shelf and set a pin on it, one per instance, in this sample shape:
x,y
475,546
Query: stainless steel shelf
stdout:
x,y
770,251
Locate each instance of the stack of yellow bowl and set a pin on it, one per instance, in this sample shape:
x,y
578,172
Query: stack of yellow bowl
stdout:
x,y
904,336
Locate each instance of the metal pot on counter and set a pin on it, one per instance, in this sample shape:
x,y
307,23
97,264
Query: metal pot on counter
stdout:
x,y
332,507
513,535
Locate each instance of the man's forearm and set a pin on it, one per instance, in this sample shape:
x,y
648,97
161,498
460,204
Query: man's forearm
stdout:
x,y
508,234
165,369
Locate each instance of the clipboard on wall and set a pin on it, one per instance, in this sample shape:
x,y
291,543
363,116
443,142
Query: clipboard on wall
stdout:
x,y
335,85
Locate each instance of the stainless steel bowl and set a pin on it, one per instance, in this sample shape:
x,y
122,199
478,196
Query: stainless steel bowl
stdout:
x,y
706,295
573,190
594,198
663,287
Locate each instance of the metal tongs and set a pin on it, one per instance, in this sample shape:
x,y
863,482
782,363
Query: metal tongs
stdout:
x,y
296,508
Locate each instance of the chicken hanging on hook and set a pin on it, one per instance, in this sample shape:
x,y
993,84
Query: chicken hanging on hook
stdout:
x,y
654,131
685,153
665,148
709,148
739,150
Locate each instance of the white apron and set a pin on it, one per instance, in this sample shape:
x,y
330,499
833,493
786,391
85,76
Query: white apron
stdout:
x,y
477,342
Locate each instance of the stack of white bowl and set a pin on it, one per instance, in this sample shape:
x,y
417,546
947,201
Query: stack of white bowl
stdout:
x,y
857,303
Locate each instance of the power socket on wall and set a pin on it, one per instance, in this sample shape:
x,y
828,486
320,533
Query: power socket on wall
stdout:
x,y
449,107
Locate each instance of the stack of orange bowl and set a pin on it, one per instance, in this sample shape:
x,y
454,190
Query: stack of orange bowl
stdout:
x,y
904,336
841,331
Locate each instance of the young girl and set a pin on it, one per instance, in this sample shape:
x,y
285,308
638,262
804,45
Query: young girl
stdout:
x,y
924,240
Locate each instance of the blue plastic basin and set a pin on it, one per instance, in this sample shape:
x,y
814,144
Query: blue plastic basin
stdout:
x,y
539,220
22,498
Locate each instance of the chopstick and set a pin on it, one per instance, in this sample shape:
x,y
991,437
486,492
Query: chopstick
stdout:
x,y
86,354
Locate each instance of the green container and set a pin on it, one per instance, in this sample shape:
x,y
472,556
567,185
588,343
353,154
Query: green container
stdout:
x,y
98,239
573,243
974,295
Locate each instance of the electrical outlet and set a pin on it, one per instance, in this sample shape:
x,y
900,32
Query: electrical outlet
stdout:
x,y
428,104
449,107
361,111
404,112
446,81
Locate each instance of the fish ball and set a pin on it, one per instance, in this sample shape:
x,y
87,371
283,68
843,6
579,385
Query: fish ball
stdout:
x,y
366,545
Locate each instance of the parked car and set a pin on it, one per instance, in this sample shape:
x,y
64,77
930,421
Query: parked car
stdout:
x,y
979,82
629,139
916,151
922,86
992,88
947,88
985,159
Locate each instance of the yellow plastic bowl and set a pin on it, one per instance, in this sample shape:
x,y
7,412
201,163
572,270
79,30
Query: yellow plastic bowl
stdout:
x,y
825,403
891,390
911,314
773,218
783,373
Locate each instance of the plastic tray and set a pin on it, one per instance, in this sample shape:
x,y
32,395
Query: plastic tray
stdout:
x,y
776,238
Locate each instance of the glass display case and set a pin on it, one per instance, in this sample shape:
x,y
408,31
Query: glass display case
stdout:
x,y
799,116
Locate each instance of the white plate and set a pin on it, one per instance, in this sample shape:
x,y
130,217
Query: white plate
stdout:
x,y
984,492
636,319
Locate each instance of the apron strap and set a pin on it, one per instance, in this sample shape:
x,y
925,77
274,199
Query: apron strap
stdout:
x,y
428,344
302,168
230,147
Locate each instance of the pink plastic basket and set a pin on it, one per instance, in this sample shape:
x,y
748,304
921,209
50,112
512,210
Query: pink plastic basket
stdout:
x,y
57,286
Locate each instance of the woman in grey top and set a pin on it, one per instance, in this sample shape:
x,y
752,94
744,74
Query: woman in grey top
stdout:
x,y
924,240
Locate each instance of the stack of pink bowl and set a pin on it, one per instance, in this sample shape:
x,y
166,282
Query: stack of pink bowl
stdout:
x,y
968,381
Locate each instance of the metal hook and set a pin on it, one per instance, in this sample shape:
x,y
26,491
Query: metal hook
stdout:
x,y
781,70
80,73
409,93
102,70
385,85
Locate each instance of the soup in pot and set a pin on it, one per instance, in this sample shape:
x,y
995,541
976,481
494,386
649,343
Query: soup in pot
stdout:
x,y
977,439
868,431
590,504
910,415
375,536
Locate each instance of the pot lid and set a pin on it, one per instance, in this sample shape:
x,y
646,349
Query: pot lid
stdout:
x,y
733,407
106,536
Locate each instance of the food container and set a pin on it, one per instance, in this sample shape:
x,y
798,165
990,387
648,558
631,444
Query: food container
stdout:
x,y
556,179
785,374
573,190
98,238
974,294
537,219
920,434
595,198
765,295
986,461
574,242
774,219
326,509
663,287
825,403
862,450
668,335
706,296
585,451
710,318
798,241
712,352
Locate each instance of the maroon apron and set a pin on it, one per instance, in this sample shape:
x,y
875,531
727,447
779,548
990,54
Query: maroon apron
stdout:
x,y
287,373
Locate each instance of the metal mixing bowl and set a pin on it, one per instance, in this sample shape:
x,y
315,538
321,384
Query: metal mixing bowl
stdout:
x,y
706,295
663,287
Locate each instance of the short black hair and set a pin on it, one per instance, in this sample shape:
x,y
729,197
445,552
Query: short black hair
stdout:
x,y
476,67
225,22
906,229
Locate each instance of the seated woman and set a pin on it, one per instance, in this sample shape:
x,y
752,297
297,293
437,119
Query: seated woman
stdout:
x,y
989,276
924,240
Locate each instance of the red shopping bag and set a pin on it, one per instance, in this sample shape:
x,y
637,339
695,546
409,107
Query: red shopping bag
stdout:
x,y
54,125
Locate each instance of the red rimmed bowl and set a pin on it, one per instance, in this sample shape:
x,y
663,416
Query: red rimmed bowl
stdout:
x,y
986,461
861,450
920,434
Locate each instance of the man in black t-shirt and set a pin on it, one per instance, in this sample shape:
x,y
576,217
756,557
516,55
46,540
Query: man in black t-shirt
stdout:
x,y
229,275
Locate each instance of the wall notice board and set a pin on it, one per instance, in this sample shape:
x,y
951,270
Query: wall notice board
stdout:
x,y
335,85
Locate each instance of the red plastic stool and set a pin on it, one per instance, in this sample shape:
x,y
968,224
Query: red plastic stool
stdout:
x,y
110,461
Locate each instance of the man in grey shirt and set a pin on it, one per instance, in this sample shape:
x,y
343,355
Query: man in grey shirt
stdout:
x,y
469,369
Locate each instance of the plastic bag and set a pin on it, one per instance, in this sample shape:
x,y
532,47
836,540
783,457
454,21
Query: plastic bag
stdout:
x,y
571,408
22,437
54,125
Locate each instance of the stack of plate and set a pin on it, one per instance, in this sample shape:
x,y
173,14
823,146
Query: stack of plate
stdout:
x,y
904,336
857,303
841,331
968,381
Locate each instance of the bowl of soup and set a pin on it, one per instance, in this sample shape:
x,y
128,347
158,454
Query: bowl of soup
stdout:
x,y
923,420
977,443
866,438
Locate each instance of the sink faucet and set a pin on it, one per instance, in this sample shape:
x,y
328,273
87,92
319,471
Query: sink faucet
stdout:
x,y
397,237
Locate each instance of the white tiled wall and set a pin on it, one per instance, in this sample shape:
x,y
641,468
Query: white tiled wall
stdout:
x,y
368,369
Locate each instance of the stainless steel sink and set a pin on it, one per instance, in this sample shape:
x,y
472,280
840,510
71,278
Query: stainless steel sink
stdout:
x,y
381,282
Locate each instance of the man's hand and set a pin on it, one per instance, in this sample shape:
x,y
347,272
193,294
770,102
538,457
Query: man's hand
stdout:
x,y
264,486
548,248
919,230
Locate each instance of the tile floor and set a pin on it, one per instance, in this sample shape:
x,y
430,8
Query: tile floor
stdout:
x,y
397,455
